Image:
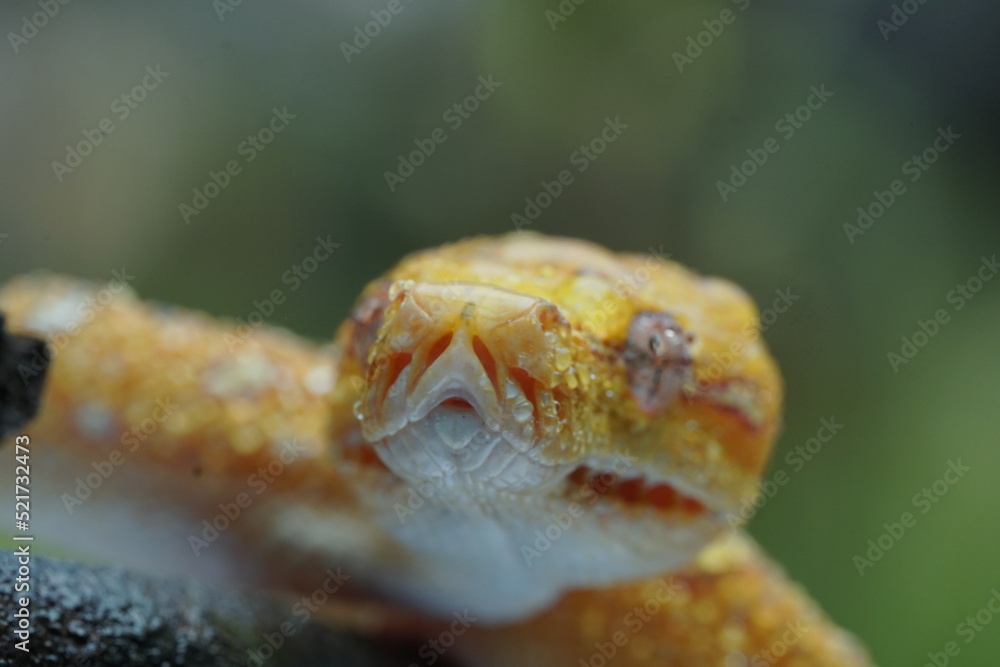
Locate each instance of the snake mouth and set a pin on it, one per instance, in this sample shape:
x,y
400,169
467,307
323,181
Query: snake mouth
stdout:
x,y
636,493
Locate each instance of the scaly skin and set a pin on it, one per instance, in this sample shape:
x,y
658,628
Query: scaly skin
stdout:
x,y
534,429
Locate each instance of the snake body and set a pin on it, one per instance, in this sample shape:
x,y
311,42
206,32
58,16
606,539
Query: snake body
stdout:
x,y
532,432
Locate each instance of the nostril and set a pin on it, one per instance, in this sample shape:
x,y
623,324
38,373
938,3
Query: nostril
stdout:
x,y
440,345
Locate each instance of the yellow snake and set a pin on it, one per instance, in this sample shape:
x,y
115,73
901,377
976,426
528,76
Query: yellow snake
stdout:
x,y
530,442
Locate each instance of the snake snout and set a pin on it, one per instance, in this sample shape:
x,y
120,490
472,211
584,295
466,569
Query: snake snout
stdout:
x,y
458,372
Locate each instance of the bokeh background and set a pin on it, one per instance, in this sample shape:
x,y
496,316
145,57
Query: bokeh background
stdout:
x,y
656,186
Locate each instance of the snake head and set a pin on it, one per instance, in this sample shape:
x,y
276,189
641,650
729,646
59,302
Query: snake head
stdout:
x,y
587,417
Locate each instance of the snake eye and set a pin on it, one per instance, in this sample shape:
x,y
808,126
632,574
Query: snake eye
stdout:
x,y
658,360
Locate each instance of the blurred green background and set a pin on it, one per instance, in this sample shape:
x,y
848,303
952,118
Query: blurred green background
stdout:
x,y
229,65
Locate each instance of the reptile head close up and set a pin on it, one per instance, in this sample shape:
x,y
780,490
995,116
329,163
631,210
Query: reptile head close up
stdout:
x,y
585,417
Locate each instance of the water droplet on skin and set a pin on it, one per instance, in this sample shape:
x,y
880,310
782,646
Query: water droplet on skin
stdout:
x,y
358,414
522,411
511,389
